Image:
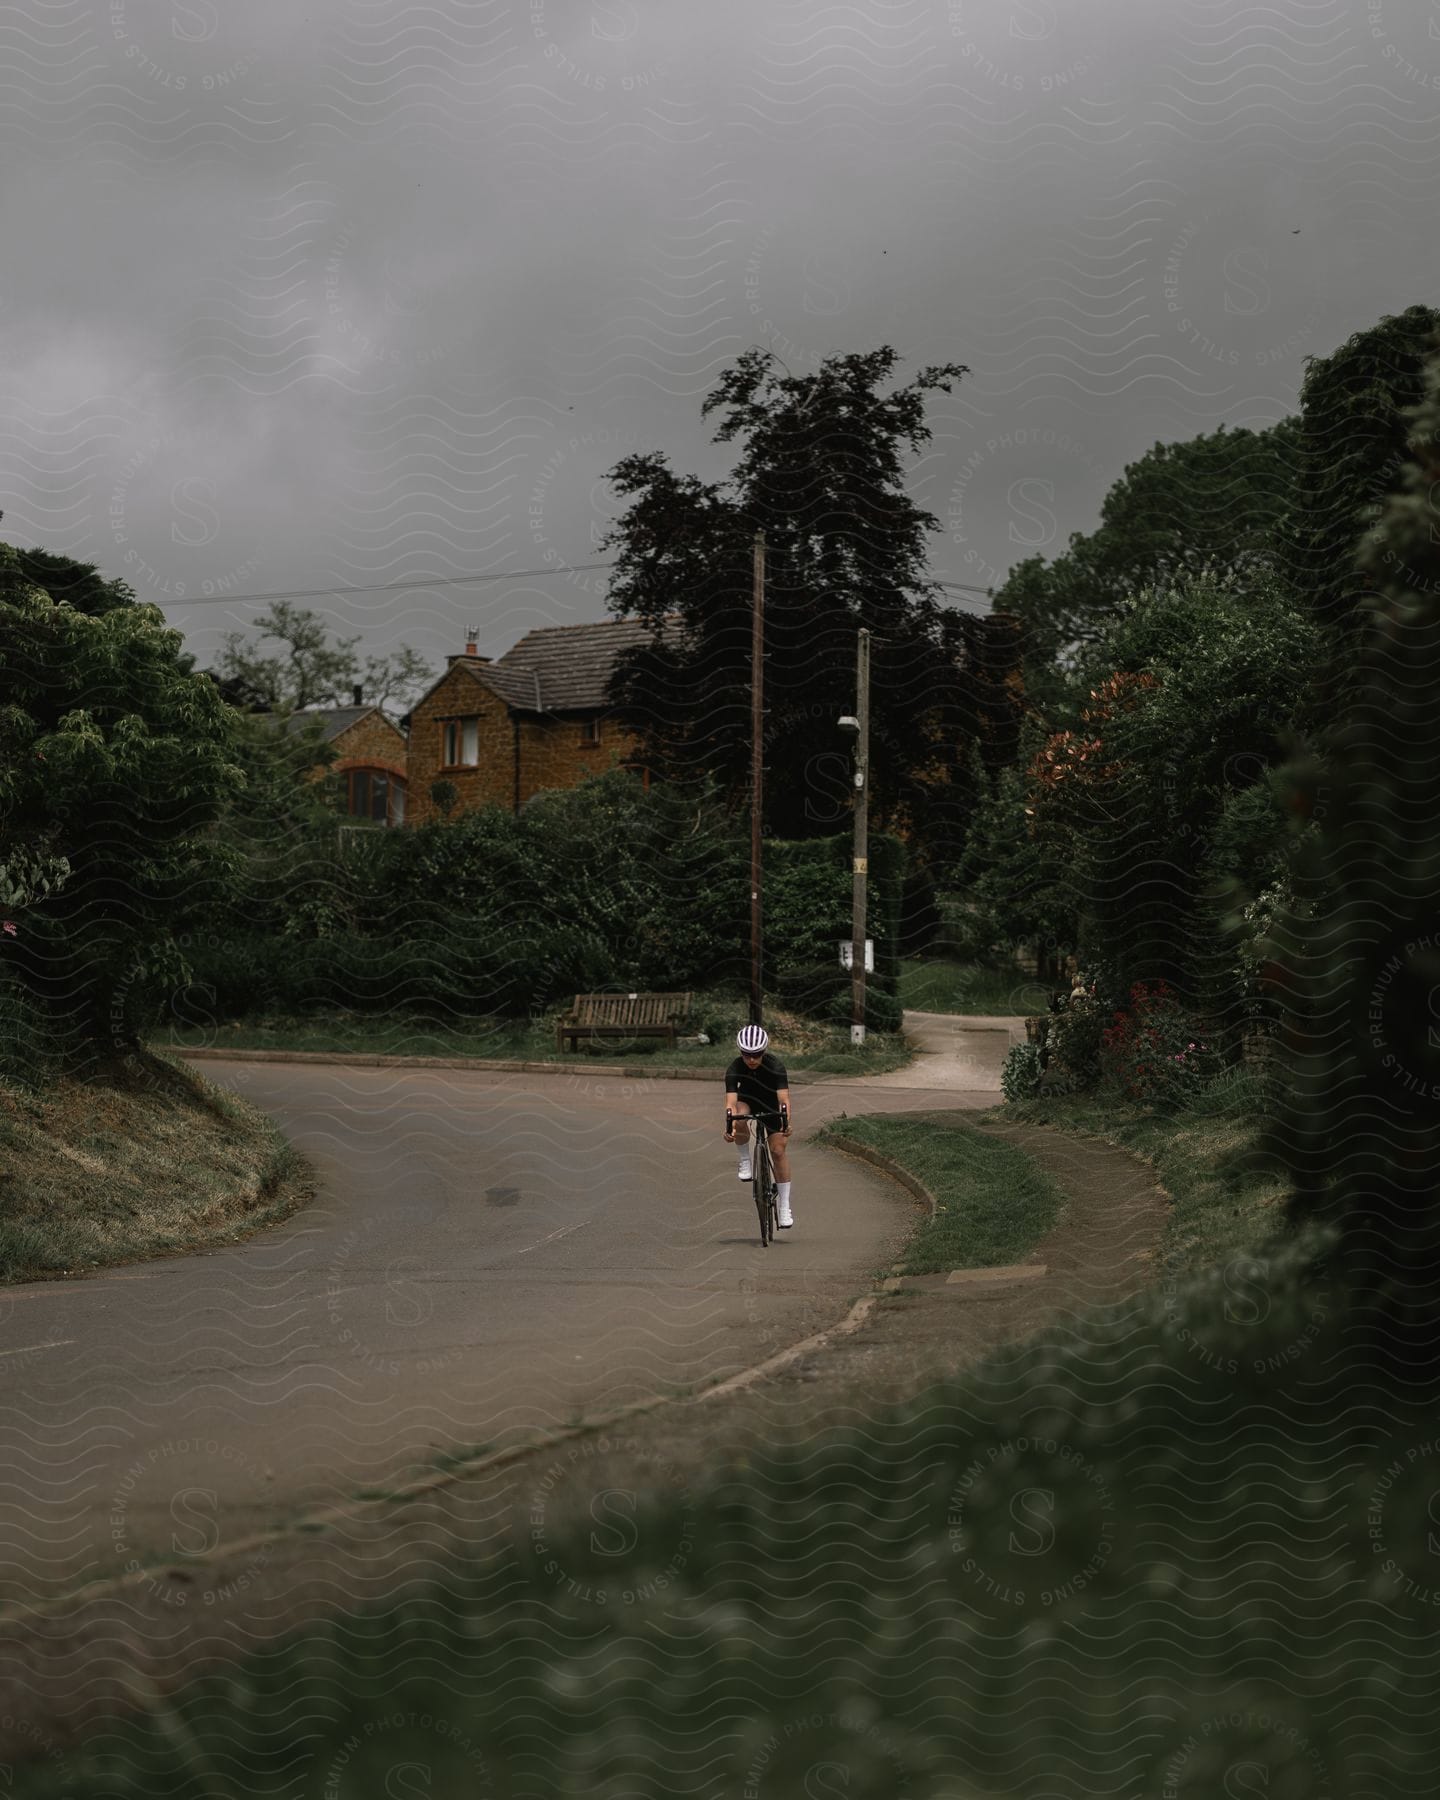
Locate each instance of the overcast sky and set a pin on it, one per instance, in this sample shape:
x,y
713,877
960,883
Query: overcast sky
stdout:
x,y
336,293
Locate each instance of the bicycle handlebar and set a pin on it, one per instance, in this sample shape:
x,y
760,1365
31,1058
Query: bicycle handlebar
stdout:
x,y
760,1117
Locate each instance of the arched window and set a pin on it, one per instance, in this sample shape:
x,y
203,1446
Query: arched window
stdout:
x,y
375,794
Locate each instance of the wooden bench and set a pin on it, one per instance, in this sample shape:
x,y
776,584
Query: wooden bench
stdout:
x,y
623,1016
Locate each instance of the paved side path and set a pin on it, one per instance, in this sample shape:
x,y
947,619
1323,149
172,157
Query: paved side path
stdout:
x,y
960,1052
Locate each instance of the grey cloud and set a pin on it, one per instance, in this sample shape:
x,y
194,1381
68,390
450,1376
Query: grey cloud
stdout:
x,y
385,291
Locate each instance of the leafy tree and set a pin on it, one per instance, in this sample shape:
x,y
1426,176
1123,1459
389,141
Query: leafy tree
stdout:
x,y
1215,500
117,759
1358,959
1206,677
309,670
1355,412
278,829
820,471
1018,882
78,584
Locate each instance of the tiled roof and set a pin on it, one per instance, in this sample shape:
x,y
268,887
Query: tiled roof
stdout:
x,y
562,668
332,721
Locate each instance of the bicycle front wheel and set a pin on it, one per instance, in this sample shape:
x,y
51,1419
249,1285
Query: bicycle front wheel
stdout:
x,y
763,1182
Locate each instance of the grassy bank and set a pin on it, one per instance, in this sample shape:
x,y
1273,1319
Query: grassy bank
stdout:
x,y
1104,1562
92,1175
1227,1195
993,1205
803,1044
966,987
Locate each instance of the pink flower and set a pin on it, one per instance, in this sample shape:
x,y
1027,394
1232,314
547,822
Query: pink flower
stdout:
x,y
8,928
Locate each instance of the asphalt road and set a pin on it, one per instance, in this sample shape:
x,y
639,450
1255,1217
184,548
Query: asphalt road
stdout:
x,y
491,1257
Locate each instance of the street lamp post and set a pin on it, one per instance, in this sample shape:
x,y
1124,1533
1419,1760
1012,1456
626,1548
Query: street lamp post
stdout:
x,y
860,864
757,771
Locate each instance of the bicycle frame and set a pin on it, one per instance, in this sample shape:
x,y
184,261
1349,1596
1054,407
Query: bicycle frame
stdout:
x,y
762,1164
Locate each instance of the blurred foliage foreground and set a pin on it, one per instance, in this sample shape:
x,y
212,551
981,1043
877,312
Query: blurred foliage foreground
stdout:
x,y
1181,1547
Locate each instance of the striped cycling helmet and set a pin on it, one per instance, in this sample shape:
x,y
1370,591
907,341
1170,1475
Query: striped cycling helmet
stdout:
x,y
752,1038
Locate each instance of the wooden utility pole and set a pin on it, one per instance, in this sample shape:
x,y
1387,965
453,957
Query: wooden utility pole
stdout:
x,y
757,771
861,863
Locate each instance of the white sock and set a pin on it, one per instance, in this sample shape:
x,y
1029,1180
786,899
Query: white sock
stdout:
x,y
784,1187
744,1153
783,1197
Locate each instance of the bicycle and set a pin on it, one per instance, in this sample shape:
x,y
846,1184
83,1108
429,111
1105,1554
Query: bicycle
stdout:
x,y
762,1168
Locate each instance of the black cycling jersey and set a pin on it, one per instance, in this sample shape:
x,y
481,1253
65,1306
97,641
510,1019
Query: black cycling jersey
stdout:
x,y
759,1087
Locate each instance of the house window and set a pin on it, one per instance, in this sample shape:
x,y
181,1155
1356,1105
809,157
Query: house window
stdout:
x,y
462,743
373,794
589,733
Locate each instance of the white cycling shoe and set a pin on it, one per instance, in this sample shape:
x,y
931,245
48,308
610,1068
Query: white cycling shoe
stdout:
x,y
746,1172
786,1220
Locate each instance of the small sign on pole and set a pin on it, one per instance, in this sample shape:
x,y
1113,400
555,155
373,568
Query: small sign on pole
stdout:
x,y
847,955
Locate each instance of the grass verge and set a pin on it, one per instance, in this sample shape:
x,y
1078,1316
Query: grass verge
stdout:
x,y
1103,1562
803,1044
941,985
92,1174
1227,1194
992,1204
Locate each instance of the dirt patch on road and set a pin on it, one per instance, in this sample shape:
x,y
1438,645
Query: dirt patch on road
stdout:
x,y
69,1669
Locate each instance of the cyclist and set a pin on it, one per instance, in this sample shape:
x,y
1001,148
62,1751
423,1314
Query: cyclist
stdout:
x,y
756,1082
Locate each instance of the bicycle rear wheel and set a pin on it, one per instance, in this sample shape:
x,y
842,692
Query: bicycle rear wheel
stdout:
x,y
763,1182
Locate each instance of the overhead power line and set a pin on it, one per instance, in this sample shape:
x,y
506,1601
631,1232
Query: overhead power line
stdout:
x,y
387,587
400,587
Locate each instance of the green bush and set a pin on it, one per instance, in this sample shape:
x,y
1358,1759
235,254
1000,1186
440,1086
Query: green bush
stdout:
x,y
1075,1038
883,1011
428,974
965,933
825,991
27,1052
1020,1075
808,901
603,885
810,987
920,923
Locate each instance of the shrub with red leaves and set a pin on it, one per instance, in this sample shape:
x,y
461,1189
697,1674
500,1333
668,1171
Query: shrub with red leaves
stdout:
x,y
1152,1050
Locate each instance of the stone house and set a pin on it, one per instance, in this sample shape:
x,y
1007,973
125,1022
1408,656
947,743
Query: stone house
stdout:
x,y
502,730
370,759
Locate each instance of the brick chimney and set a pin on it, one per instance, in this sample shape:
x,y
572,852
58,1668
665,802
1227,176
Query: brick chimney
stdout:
x,y
472,634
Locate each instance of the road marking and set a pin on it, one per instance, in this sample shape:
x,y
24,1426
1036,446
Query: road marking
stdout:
x,y
25,1349
564,1231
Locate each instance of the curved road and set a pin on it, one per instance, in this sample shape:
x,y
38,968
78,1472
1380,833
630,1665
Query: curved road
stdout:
x,y
490,1258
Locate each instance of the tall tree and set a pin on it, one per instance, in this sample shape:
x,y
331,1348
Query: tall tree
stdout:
x,y
1358,960
78,584
821,471
1202,681
1356,409
1216,500
309,668
115,759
